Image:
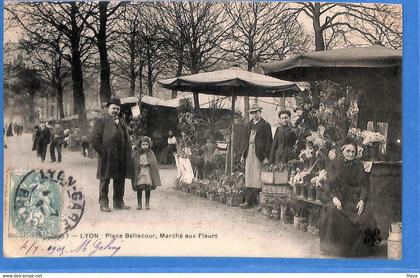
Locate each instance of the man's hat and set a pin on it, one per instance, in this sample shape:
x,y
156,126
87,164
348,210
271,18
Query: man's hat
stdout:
x,y
255,107
115,101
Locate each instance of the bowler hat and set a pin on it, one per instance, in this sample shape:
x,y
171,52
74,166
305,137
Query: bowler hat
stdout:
x,y
115,101
254,108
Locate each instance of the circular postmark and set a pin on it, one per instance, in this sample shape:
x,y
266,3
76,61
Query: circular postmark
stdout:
x,y
44,204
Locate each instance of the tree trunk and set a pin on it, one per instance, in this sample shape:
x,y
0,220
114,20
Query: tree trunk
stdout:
x,y
319,46
59,96
178,73
31,114
132,75
141,81
318,31
105,72
77,72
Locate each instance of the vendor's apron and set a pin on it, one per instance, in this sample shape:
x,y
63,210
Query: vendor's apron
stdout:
x,y
253,165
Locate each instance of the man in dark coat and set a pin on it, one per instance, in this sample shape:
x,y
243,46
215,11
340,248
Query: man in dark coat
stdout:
x,y
44,139
57,140
256,153
111,141
284,140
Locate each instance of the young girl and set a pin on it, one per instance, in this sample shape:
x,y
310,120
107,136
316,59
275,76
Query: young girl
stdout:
x,y
146,172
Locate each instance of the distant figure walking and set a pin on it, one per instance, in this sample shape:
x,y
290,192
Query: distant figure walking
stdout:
x,y
57,140
43,140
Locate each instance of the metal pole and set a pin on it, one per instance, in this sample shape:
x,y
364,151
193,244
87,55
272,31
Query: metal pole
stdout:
x,y
232,134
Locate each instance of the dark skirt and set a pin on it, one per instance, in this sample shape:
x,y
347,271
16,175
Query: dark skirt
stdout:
x,y
140,187
344,233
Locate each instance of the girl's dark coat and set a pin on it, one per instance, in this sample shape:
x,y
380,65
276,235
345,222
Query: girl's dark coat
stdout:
x,y
154,170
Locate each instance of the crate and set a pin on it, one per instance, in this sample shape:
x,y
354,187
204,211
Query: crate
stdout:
x,y
233,202
267,177
281,177
275,189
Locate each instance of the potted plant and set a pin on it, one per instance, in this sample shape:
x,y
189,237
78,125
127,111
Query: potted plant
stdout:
x,y
276,211
266,208
311,192
304,191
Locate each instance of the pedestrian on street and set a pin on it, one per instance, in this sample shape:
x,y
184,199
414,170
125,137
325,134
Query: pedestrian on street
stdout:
x,y
57,141
9,131
43,140
111,141
256,154
284,140
146,173
35,136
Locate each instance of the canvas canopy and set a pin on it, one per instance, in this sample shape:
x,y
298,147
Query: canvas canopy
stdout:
x,y
347,64
231,82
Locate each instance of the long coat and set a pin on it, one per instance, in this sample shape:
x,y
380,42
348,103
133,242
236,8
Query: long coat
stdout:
x,y
282,149
263,139
44,137
153,165
342,232
113,149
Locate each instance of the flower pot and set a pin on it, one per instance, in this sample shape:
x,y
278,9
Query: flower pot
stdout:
x,y
283,209
318,193
297,221
266,211
287,219
311,193
298,188
303,227
395,241
212,197
233,202
304,192
276,214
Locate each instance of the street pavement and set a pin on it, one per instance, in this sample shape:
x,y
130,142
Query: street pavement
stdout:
x,y
178,224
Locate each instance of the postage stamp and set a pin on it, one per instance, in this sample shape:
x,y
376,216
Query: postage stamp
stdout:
x,y
42,204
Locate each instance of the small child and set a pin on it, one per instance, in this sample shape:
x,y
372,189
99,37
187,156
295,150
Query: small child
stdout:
x,y
146,173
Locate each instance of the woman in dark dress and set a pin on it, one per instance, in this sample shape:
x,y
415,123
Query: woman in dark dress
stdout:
x,y
347,217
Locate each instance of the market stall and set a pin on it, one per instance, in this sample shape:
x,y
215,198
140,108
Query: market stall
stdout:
x,y
231,82
376,73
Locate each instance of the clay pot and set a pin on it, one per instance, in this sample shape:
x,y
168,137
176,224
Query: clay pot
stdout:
x,y
276,214
311,193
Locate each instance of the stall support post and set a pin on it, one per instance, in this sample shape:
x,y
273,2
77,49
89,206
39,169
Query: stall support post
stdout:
x,y
232,135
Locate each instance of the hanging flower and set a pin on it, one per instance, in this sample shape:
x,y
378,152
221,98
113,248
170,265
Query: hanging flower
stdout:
x,y
332,154
370,137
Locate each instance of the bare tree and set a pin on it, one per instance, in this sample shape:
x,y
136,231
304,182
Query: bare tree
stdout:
x,y
262,32
371,22
101,24
22,84
127,55
200,28
68,19
45,51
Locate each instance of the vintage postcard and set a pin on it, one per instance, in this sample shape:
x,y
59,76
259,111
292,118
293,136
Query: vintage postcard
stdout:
x,y
204,129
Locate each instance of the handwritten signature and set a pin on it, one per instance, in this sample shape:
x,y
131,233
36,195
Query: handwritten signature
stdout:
x,y
87,247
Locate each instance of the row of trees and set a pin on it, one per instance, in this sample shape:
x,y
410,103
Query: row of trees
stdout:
x,y
140,42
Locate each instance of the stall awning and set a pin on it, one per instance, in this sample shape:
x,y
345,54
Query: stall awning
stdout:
x,y
231,82
337,64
